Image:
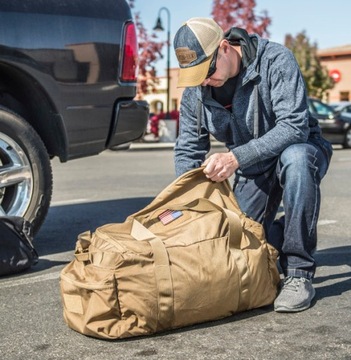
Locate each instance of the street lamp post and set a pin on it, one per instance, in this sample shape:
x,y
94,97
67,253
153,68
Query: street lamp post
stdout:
x,y
159,27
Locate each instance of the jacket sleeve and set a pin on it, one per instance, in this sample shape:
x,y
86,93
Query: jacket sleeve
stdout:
x,y
191,146
287,95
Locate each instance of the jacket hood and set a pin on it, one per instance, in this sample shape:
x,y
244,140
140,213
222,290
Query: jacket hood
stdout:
x,y
252,69
240,37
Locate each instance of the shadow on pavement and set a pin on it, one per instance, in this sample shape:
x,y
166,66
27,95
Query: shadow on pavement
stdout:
x,y
64,223
340,280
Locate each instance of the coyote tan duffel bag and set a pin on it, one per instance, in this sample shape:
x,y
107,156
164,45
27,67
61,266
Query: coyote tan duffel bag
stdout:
x,y
188,257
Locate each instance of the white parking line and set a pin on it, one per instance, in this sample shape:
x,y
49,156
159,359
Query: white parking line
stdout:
x,y
346,159
29,280
327,222
70,202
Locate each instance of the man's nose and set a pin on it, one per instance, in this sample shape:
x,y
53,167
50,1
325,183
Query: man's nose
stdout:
x,y
205,82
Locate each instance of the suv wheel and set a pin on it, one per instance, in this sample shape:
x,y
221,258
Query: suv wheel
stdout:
x,y
25,170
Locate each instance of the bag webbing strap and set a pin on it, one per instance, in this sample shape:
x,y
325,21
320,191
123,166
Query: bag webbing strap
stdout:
x,y
236,239
164,284
82,257
163,276
235,228
82,246
245,278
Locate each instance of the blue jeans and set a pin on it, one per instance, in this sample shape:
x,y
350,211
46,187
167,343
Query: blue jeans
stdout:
x,y
295,181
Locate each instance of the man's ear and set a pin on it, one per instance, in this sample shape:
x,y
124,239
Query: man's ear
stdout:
x,y
224,45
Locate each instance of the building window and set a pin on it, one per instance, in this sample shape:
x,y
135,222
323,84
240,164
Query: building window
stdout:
x,y
156,107
344,96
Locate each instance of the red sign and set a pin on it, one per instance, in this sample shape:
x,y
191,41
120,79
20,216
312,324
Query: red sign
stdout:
x,y
335,74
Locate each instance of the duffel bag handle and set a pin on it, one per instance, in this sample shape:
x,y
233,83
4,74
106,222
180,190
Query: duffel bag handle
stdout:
x,y
82,246
235,228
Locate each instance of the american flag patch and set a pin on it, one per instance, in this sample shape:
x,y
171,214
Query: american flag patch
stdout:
x,y
169,215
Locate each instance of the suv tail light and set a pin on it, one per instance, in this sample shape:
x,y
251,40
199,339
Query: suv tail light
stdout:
x,y
130,54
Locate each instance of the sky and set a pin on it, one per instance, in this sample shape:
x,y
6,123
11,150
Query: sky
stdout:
x,y
325,22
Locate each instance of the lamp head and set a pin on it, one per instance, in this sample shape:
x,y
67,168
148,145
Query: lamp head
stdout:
x,y
158,26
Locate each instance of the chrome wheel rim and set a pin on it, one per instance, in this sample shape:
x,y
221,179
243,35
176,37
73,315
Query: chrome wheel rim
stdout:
x,y
16,178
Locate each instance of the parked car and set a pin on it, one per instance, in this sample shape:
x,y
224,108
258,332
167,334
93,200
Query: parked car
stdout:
x,y
335,126
342,107
67,84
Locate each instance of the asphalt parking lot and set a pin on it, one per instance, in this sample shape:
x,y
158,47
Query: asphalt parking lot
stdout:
x,y
30,305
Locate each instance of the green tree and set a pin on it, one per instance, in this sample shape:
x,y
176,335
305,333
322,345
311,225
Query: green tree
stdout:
x,y
316,76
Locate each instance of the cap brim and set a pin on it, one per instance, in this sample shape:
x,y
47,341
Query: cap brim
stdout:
x,y
194,75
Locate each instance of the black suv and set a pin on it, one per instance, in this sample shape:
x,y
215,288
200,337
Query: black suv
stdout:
x,y
67,83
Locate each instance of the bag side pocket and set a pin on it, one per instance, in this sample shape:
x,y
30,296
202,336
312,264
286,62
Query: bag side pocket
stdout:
x,y
89,296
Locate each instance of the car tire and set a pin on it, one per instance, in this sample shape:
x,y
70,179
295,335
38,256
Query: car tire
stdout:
x,y
25,170
347,141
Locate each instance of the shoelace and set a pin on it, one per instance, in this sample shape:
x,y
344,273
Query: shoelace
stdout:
x,y
292,284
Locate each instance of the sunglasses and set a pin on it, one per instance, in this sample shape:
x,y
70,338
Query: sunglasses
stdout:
x,y
212,69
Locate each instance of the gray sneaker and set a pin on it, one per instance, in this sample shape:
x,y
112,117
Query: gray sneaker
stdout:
x,y
296,295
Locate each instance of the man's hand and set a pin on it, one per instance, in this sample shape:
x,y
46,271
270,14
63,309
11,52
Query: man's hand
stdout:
x,y
220,166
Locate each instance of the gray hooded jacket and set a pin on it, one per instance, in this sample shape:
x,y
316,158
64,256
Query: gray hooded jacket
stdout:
x,y
284,118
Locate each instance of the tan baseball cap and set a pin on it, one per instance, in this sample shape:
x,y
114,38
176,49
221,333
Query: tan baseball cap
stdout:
x,y
194,44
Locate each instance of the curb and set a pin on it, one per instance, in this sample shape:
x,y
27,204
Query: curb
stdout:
x,y
162,145
152,146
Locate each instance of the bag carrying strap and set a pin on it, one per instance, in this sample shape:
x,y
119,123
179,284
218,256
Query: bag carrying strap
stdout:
x,y
163,276
82,246
235,228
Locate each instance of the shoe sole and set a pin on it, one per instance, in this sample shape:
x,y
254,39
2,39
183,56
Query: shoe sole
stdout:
x,y
284,309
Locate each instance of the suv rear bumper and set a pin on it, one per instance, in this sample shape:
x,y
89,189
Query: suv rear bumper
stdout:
x,y
130,121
